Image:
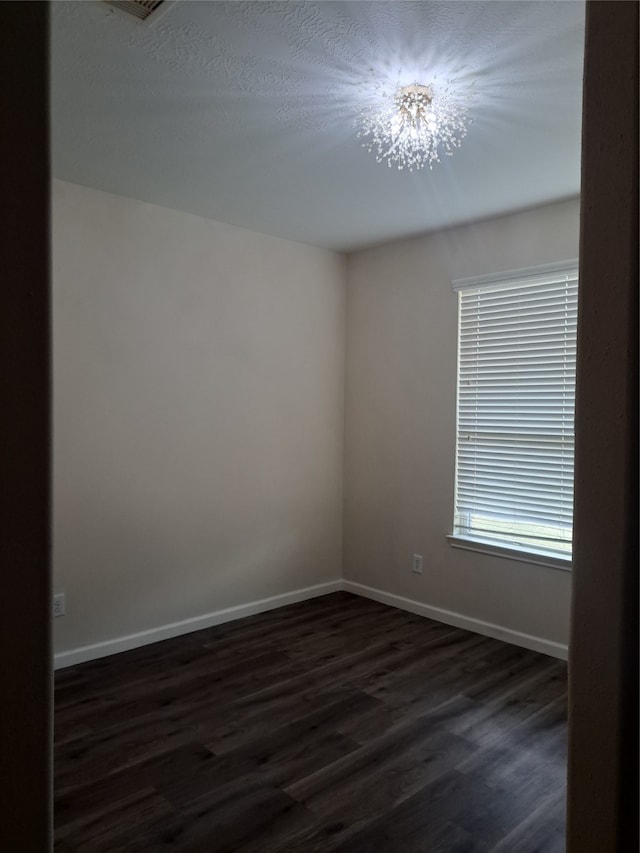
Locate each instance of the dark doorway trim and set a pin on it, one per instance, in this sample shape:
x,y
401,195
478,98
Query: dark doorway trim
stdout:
x,y
603,662
25,586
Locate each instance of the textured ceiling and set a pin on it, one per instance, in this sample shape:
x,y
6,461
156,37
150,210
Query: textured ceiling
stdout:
x,y
244,111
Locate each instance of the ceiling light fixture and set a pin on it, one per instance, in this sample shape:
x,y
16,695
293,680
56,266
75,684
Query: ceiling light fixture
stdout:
x,y
411,126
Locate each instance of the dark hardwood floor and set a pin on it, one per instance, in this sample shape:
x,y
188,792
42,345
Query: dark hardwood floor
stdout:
x,y
338,724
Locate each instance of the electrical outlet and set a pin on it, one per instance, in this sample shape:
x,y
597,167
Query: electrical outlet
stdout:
x,y
58,604
416,566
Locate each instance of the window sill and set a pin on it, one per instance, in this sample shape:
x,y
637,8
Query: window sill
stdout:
x,y
468,544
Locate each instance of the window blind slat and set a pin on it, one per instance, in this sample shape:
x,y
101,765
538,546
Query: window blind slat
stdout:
x,y
515,416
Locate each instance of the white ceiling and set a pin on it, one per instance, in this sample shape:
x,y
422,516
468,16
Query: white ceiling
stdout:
x,y
244,111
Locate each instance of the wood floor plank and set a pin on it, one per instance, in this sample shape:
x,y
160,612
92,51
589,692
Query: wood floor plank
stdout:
x,y
247,720
423,823
231,679
337,724
103,827
365,779
81,801
224,821
540,831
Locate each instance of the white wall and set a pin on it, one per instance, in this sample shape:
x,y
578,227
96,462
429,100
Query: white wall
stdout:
x,y
400,422
198,415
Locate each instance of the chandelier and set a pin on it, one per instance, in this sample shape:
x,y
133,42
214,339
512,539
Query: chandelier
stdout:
x,y
412,126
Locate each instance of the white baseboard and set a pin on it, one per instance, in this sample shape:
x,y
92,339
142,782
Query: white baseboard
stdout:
x,y
185,626
458,620
217,617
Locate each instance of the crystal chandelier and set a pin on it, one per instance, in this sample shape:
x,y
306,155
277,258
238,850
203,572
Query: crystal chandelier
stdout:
x,y
412,126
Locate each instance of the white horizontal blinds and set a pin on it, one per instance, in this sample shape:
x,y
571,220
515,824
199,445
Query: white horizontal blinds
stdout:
x,y
516,382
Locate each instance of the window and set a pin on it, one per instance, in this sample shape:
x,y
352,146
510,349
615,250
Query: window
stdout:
x,y
516,389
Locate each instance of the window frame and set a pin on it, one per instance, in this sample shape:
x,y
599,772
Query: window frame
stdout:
x,y
457,539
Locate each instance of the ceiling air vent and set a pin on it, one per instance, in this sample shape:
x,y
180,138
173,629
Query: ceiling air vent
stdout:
x,y
140,9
